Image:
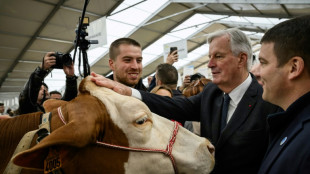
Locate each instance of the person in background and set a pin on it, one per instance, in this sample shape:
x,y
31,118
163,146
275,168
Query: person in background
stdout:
x,y
162,90
1,108
126,63
171,59
149,80
195,87
255,72
55,95
285,74
10,112
36,92
231,111
167,75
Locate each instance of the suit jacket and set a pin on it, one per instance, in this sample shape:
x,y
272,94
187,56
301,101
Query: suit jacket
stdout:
x,y
241,146
289,149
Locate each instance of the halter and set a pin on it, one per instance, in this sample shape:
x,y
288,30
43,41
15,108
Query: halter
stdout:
x,y
166,152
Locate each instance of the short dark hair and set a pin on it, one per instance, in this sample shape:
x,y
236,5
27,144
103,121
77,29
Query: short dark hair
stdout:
x,y
55,92
167,74
196,76
114,51
291,38
1,104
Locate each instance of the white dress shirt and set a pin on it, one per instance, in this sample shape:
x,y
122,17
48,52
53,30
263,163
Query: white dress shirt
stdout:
x,y
236,95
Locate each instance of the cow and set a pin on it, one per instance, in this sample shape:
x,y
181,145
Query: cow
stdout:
x,y
101,131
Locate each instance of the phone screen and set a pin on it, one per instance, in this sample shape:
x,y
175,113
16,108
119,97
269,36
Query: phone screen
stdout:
x,y
173,49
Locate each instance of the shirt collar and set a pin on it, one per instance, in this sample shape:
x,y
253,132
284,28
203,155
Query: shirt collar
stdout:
x,y
237,93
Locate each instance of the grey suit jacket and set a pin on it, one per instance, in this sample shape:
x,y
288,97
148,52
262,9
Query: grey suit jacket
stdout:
x,y
241,146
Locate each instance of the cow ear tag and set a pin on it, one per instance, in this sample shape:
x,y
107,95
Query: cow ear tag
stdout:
x,y
52,163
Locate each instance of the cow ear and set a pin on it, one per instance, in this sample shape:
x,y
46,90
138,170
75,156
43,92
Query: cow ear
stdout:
x,y
62,138
51,104
80,131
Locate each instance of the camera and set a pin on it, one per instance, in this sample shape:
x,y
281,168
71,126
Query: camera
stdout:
x,y
61,60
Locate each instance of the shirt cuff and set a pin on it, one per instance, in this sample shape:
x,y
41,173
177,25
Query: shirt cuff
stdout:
x,y
136,94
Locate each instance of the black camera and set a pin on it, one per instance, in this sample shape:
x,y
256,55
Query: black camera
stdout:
x,y
61,60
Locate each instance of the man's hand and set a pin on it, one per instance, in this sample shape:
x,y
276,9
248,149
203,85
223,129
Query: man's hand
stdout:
x,y
172,57
48,61
108,83
186,82
69,70
5,116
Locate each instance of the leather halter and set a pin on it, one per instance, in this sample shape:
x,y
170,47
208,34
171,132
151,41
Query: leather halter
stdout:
x,y
167,151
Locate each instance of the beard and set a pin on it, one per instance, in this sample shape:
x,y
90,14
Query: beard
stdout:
x,y
126,81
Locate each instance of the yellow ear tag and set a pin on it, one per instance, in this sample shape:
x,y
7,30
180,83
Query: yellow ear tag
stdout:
x,y
52,163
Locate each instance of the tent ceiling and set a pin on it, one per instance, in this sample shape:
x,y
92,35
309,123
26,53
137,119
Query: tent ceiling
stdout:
x,y
29,29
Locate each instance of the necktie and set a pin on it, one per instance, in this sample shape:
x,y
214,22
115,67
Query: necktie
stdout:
x,y
225,111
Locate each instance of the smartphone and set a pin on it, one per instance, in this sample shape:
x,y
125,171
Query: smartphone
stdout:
x,y
173,49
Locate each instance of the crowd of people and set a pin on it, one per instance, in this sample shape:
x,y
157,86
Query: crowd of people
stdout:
x,y
257,119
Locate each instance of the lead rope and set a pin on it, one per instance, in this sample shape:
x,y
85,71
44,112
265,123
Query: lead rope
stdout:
x,y
167,152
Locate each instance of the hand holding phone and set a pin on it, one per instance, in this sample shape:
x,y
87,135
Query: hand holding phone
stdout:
x,y
173,49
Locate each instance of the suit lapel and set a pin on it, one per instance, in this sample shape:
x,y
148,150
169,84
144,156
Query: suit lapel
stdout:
x,y
216,121
241,113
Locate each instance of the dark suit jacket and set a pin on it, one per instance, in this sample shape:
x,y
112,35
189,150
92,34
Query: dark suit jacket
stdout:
x,y
241,146
289,149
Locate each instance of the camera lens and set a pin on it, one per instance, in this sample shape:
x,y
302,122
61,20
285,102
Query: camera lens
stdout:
x,y
66,59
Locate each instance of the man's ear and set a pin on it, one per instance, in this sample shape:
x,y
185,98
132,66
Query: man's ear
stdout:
x,y
243,59
158,82
111,64
296,66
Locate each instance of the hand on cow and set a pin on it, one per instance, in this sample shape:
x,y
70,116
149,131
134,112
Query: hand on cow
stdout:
x,y
108,83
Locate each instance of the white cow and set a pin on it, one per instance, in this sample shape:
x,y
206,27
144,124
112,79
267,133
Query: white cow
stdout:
x,y
101,131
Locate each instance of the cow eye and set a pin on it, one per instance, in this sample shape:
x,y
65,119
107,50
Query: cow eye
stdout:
x,y
141,121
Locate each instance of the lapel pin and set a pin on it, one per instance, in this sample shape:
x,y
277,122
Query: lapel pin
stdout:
x,y
283,141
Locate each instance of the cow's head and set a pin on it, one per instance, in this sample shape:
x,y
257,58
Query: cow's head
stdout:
x,y
101,114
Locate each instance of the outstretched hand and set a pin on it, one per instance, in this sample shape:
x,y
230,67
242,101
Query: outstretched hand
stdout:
x,y
172,57
100,80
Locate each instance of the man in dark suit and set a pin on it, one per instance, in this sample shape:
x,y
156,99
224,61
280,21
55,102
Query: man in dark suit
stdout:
x,y
285,72
241,144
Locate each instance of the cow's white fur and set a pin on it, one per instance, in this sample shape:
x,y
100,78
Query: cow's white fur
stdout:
x,y
190,151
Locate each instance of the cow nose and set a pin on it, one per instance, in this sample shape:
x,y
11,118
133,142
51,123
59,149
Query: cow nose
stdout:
x,y
211,149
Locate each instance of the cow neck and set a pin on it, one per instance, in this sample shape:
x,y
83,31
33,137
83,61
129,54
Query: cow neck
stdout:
x,y
167,151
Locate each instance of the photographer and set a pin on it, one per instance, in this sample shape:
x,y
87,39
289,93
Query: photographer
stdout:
x,y
35,91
